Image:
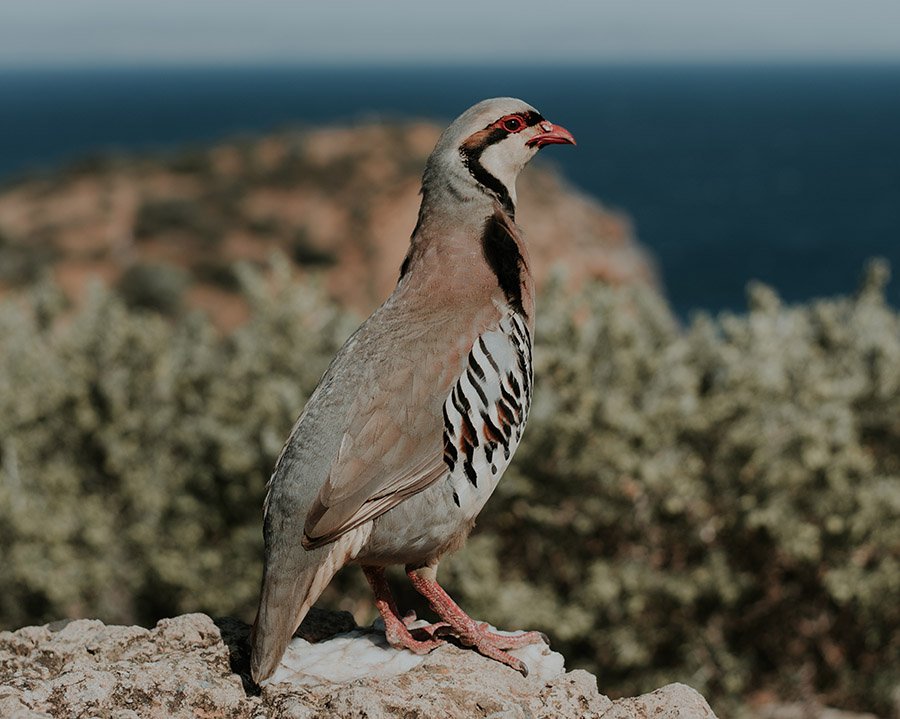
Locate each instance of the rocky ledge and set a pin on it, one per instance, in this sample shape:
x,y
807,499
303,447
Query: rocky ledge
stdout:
x,y
194,666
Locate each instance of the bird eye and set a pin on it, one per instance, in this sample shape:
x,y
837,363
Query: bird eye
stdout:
x,y
513,124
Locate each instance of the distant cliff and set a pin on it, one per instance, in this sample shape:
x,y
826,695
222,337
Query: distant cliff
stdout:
x,y
168,228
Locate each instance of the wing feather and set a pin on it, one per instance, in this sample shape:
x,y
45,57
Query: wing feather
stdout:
x,y
402,368
392,448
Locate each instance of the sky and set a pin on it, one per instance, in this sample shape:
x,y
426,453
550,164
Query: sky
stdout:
x,y
129,32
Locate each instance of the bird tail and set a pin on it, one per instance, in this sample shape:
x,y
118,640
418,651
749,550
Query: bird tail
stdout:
x,y
289,589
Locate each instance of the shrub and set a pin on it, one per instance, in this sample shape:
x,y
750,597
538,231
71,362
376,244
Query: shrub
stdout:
x,y
716,505
134,451
153,286
156,217
22,263
303,252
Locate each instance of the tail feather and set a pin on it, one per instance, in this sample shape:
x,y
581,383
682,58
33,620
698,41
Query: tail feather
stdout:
x,y
289,589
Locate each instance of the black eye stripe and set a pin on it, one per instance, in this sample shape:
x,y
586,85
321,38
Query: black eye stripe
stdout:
x,y
530,118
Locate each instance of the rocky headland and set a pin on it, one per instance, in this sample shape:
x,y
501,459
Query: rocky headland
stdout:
x,y
167,229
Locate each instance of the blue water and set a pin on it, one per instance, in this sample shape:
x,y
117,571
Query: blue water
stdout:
x,y
790,175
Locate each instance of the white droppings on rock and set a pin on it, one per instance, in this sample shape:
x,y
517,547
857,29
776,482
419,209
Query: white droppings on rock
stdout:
x,y
366,654
342,659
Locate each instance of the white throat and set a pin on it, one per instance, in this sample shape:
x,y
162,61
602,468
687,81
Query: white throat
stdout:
x,y
498,161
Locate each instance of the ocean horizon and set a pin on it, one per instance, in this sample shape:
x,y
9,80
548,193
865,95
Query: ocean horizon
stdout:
x,y
787,174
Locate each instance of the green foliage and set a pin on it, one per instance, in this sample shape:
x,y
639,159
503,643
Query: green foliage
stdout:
x,y
135,450
185,216
304,253
22,263
153,286
717,505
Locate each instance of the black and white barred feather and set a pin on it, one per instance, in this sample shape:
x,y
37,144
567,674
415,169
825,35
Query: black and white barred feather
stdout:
x,y
485,414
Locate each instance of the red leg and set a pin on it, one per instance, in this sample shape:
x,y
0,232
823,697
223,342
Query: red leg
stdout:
x,y
395,627
471,633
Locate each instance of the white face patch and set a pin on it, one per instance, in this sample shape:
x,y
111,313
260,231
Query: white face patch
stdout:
x,y
505,160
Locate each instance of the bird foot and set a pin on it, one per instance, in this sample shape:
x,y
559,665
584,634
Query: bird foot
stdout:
x,y
431,631
397,630
513,641
491,644
471,633
400,637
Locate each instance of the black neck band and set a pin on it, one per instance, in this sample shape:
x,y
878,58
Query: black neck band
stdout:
x,y
471,157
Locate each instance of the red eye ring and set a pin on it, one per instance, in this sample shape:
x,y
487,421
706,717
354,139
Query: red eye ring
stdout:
x,y
513,123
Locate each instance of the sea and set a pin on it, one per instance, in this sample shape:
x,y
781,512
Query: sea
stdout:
x,y
787,174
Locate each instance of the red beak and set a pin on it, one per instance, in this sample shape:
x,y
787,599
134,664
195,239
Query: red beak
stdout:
x,y
551,135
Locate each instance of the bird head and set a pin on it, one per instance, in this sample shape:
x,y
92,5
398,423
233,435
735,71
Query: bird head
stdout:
x,y
488,145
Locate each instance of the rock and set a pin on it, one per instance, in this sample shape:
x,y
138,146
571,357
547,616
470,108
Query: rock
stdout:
x,y
179,669
191,666
673,701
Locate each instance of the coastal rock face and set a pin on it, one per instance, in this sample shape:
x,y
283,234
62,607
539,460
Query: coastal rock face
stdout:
x,y
191,666
340,201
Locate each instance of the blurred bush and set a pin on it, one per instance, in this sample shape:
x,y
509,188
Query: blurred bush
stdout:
x,y
135,449
21,264
153,286
185,216
717,505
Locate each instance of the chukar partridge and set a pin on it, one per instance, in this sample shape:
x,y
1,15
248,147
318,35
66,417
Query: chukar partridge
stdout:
x,y
420,412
